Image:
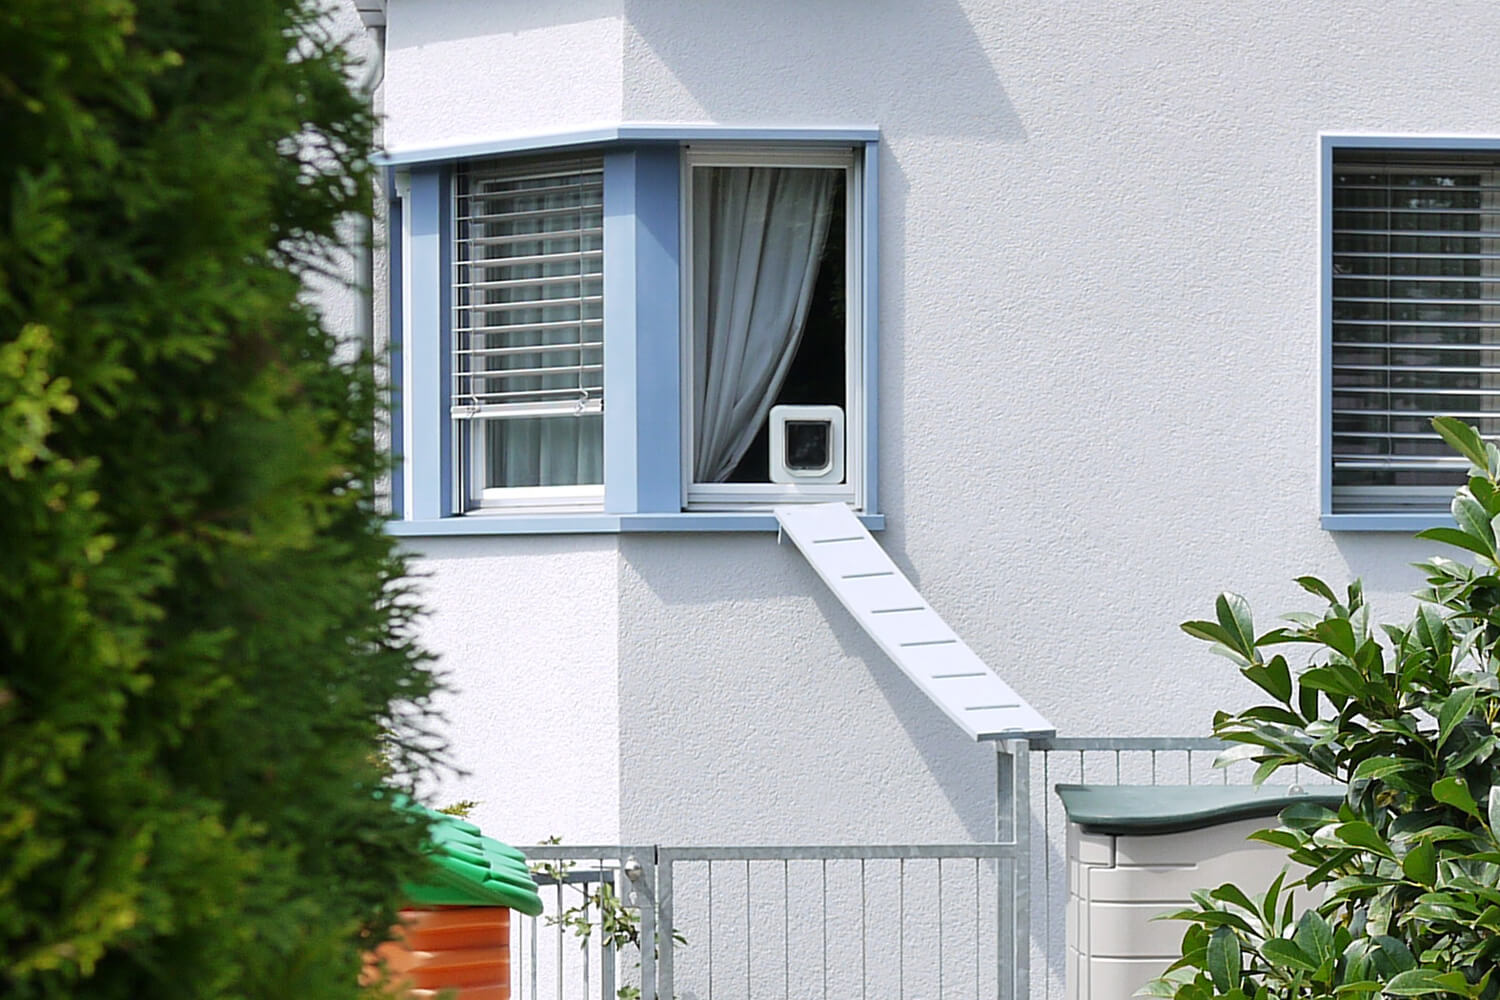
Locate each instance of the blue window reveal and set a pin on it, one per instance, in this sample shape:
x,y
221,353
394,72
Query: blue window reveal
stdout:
x,y
496,319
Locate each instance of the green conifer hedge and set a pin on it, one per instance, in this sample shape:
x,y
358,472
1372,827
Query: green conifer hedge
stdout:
x,y
202,635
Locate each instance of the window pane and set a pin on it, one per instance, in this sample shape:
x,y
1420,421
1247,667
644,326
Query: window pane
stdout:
x,y
769,307
528,338
545,451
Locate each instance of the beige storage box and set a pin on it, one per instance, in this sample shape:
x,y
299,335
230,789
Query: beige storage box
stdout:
x,y
1138,851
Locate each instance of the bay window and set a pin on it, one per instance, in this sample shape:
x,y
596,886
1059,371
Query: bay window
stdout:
x,y
635,329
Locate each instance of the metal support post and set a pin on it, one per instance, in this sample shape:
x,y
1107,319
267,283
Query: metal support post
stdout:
x,y
1013,826
640,869
664,928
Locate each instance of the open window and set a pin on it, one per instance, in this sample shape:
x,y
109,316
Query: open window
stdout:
x,y
772,400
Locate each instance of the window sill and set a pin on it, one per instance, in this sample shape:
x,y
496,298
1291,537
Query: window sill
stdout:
x,y
1406,523
598,524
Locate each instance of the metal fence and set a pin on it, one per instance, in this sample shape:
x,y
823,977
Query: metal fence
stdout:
x,y
578,949
793,922
846,921
983,920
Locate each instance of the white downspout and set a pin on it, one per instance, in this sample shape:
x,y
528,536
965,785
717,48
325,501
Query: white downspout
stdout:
x,y
372,14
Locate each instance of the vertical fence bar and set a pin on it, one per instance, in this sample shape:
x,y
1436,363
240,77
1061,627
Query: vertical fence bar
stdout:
x,y
1006,955
585,949
1021,923
534,959
900,930
940,925
1048,915
710,922
978,951
824,907
606,941
786,929
864,934
666,930
530,922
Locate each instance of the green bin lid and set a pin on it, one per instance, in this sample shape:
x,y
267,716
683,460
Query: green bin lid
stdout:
x,y
1146,809
470,869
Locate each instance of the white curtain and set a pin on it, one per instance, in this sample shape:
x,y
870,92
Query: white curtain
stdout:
x,y
549,450
545,451
758,235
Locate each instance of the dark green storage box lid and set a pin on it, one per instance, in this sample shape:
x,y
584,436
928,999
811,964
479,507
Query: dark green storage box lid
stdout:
x,y
1147,809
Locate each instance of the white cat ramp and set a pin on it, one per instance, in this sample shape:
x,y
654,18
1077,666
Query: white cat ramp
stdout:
x,y
894,614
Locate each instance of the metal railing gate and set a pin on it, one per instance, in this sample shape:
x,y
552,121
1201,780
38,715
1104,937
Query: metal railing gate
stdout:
x,y
981,920
834,921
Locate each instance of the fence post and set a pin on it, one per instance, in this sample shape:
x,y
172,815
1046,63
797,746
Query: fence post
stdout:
x,y
664,927
609,972
1013,826
640,869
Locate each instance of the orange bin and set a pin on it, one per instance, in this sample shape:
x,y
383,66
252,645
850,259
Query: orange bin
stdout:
x,y
462,949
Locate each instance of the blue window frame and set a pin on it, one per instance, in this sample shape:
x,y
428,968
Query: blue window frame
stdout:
x,y
645,482
1410,300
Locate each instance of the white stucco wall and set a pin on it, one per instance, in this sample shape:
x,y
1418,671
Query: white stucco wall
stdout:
x,y
464,69
335,293
1099,312
525,634
1099,379
754,710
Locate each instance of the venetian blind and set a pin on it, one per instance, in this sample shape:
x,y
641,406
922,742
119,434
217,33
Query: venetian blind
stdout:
x,y
528,289
1416,322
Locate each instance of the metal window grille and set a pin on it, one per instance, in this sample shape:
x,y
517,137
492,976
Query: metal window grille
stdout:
x,y
1416,321
528,290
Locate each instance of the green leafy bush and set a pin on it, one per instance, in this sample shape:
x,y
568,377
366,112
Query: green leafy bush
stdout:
x,y
1409,865
202,636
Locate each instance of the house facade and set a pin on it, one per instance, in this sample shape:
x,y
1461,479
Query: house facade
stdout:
x,y
1086,312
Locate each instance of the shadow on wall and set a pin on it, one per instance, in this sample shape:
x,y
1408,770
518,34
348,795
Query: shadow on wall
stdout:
x,y
914,69
447,20
770,573
964,772
1383,560
927,74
